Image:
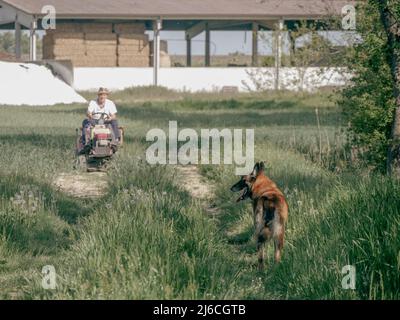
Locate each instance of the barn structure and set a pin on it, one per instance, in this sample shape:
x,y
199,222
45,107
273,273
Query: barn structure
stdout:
x,y
103,33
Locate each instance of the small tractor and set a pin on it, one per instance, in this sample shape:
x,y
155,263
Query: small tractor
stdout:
x,y
100,147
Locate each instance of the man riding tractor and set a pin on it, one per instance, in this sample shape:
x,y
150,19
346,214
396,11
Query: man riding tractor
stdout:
x,y
101,134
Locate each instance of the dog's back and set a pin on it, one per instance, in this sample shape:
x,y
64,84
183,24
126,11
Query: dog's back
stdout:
x,y
273,197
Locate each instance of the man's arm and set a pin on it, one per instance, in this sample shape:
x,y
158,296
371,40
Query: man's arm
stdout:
x,y
113,111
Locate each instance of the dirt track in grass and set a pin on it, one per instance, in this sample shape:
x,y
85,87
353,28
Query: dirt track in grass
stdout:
x,y
198,187
194,183
94,184
82,185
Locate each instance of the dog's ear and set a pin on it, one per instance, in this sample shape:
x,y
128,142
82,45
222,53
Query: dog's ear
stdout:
x,y
261,166
258,169
255,170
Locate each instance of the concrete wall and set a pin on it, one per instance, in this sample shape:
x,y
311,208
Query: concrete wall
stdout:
x,y
208,79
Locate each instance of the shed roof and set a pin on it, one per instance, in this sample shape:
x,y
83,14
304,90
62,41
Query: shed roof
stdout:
x,y
183,9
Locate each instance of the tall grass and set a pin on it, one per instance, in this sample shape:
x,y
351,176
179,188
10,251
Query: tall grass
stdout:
x,y
150,240
358,225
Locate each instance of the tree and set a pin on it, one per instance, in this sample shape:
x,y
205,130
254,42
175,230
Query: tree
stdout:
x,y
369,103
7,43
308,48
390,17
311,53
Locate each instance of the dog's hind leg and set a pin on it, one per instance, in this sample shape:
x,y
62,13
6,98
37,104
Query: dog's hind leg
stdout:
x,y
262,244
259,228
261,253
278,243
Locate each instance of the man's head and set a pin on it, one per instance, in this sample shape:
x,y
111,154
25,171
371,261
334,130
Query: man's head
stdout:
x,y
103,95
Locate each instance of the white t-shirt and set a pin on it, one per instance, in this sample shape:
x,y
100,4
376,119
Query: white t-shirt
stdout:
x,y
109,108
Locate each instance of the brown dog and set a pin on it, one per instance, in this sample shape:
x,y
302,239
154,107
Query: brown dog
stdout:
x,y
270,209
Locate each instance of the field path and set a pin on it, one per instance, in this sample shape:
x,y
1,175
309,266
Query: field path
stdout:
x,y
82,185
197,186
194,183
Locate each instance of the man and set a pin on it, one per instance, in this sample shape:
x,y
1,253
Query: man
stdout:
x,y
101,105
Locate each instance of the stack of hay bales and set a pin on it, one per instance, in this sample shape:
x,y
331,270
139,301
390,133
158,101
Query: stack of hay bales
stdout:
x,y
101,45
98,45
67,42
133,45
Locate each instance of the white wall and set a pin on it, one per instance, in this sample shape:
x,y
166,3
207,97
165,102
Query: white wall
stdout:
x,y
206,79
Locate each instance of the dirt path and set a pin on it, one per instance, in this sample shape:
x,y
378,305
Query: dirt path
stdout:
x,y
94,185
194,183
82,185
197,186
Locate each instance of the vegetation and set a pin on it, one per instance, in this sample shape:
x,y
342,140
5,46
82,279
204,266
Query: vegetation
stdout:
x,y
369,104
7,43
147,238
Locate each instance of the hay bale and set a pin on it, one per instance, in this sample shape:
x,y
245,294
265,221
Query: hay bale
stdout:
x,y
64,50
101,62
77,61
126,28
133,50
87,61
141,40
70,57
94,62
101,51
133,61
97,27
101,37
66,27
100,43
64,38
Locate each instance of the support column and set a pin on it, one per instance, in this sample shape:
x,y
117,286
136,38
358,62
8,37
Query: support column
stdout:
x,y
32,42
157,25
278,54
18,40
292,44
207,55
188,51
254,56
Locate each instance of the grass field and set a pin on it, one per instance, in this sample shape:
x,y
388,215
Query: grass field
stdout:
x,y
147,238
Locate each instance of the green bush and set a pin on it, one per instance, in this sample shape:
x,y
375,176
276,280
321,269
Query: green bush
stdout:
x,y
368,104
